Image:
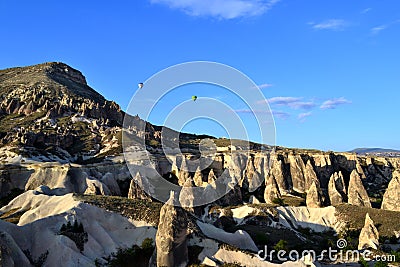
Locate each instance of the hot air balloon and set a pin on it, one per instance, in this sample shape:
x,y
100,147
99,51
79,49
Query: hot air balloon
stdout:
x,y
194,97
140,85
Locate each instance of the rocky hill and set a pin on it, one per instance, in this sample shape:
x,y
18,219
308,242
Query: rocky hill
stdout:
x,y
49,112
61,163
51,108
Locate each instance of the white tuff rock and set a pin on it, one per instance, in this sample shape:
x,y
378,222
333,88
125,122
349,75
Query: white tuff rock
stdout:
x,y
357,194
314,196
391,198
369,236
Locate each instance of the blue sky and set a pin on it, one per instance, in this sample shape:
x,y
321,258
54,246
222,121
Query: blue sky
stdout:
x,y
330,69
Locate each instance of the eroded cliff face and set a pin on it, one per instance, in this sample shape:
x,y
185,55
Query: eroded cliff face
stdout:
x,y
293,172
256,173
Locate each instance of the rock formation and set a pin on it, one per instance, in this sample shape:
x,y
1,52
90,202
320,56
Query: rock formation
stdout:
x,y
314,196
171,243
211,177
229,189
209,194
296,172
109,180
309,175
136,188
369,236
357,194
252,178
186,196
183,174
271,192
276,170
336,189
95,187
198,177
360,170
391,198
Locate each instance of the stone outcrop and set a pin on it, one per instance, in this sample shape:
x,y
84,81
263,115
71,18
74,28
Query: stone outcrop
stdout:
x,y
198,177
357,194
276,170
109,180
95,187
186,196
99,179
211,177
236,165
309,175
314,196
296,171
137,186
369,236
336,189
183,174
171,242
391,198
227,188
253,177
272,191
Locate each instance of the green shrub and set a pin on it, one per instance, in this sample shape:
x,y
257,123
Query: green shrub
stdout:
x,y
363,262
147,245
281,245
380,264
154,143
75,232
396,254
135,254
278,201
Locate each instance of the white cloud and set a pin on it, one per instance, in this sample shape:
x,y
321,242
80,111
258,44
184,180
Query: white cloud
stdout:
x,y
378,29
302,116
283,100
280,114
366,10
292,102
330,24
302,105
333,103
221,9
264,85
275,113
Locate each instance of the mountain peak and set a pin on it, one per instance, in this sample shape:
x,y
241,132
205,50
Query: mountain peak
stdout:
x,y
50,105
50,69
50,79
62,69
